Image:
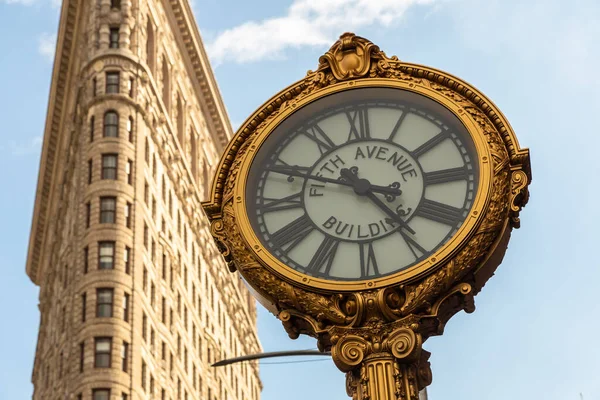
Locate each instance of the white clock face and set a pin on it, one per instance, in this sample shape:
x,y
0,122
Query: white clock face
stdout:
x,y
362,184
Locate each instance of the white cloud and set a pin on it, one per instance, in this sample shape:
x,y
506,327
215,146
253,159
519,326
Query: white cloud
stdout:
x,y
47,45
307,23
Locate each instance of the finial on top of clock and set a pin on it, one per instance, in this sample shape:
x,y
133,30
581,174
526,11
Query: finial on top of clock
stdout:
x,y
351,57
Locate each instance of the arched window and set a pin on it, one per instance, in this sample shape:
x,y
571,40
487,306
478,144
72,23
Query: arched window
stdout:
x,y
111,124
150,47
166,80
180,122
192,153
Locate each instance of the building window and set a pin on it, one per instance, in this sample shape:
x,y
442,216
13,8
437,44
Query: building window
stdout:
x,y
152,294
154,166
128,169
92,125
94,86
166,85
145,235
108,208
124,396
125,356
102,346
115,4
104,302
88,213
114,38
86,262
111,124
101,394
146,193
126,307
83,306
130,128
127,259
144,375
150,46
147,151
145,279
112,82
90,169
145,327
130,87
128,215
106,255
109,166
81,355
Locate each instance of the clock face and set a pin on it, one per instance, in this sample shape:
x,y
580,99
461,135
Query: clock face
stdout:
x,y
362,184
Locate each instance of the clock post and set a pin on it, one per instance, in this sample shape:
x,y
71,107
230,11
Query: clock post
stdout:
x,y
368,203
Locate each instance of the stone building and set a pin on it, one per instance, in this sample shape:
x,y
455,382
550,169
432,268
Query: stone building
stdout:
x,y
135,300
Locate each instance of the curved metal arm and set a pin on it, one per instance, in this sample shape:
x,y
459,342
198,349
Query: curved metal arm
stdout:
x,y
270,355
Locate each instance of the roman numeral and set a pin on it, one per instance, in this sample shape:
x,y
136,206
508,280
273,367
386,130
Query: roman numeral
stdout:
x,y
445,175
287,169
317,135
285,203
324,256
415,248
397,126
368,263
292,234
359,124
439,212
430,144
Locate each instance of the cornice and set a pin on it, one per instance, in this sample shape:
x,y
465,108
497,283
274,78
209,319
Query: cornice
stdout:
x,y
57,102
190,35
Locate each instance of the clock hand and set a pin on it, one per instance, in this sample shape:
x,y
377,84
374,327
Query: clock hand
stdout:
x,y
362,187
390,192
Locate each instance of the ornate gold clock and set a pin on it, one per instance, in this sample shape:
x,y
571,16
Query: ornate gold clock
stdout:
x,y
367,204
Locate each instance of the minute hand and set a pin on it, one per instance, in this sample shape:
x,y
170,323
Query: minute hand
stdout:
x,y
291,171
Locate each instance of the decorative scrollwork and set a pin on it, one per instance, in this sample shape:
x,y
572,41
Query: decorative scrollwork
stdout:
x,y
402,343
350,57
519,195
349,352
217,230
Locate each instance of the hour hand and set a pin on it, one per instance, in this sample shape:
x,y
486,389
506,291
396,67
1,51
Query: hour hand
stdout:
x,y
362,187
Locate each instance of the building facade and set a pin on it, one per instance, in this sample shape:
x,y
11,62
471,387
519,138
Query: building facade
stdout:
x,y
135,300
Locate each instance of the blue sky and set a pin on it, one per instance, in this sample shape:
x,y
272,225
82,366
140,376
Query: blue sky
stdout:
x,y
535,331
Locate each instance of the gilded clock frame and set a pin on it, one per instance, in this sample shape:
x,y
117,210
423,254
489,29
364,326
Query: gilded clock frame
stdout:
x,y
378,324
383,319
354,62
440,257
